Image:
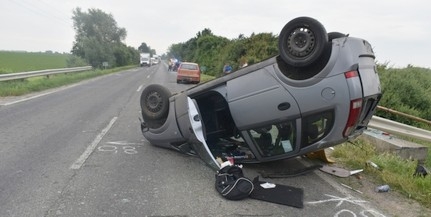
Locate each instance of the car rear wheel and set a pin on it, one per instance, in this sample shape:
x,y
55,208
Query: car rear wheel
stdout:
x,y
302,41
155,104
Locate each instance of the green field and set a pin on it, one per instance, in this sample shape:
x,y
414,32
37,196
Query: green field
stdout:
x,y
13,61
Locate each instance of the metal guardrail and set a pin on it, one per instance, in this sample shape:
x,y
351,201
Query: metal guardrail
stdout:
x,y
21,75
418,119
399,128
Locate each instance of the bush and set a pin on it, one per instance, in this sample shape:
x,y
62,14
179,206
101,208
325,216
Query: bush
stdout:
x,y
75,61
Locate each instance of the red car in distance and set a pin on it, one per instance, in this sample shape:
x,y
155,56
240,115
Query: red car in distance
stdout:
x,y
188,72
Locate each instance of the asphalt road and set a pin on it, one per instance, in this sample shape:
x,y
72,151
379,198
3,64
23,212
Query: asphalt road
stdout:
x,y
78,151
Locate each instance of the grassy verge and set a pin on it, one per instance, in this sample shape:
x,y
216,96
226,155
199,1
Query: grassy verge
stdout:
x,y
25,86
394,171
205,78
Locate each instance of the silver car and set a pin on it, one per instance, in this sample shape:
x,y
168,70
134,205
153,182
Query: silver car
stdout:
x,y
321,90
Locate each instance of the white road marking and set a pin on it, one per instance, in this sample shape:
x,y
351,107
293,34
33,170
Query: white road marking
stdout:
x,y
81,160
122,143
25,99
140,88
339,200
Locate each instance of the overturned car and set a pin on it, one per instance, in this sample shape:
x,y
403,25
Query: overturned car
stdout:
x,y
321,90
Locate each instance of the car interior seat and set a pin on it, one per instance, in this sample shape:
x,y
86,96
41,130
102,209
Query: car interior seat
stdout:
x,y
284,133
312,131
265,141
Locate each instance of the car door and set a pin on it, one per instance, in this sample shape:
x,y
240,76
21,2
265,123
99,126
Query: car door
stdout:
x,y
197,141
258,98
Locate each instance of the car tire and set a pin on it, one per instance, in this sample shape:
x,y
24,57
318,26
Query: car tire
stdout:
x,y
302,41
334,35
155,104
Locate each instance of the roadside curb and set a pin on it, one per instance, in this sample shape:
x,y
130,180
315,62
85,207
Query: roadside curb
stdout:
x,y
385,142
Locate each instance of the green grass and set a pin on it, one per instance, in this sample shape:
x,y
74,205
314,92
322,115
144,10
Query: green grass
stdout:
x,y
12,61
25,86
395,171
205,78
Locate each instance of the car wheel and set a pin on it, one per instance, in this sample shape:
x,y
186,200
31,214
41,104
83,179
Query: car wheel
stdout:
x,y
302,41
155,104
334,35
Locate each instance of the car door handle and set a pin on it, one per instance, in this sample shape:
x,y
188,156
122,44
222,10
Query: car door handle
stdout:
x,y
283,106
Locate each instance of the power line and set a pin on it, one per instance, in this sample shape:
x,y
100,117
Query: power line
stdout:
x,y
39,11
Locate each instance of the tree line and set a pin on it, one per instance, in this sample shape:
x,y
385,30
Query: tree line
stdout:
x,y
99,40
212,52
406,90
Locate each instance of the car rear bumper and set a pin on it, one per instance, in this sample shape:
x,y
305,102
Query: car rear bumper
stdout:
x,y
188,79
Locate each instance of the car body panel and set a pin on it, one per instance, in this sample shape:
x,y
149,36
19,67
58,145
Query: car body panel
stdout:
x,y
275,103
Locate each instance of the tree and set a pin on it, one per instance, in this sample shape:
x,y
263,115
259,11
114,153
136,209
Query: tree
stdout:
x,y
98,38
125,55
144,48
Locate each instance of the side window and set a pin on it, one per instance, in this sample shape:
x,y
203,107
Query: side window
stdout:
x,y
316,126
275,139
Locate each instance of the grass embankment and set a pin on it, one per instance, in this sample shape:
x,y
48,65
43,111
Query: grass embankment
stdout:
x,y
26,61
25,86
205,78
394,171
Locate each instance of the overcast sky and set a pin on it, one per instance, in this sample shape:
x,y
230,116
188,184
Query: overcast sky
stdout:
x,y
399,30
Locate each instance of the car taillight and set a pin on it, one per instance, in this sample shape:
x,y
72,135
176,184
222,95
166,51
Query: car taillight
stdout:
x,y
351,74
354,113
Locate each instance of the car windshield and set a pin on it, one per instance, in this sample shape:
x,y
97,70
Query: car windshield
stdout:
x,y
275,139
189,66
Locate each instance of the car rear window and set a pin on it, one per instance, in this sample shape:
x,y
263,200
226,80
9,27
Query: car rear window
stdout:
x,y
189,66
316,126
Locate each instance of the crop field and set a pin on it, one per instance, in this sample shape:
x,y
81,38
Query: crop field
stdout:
x,y
14,61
